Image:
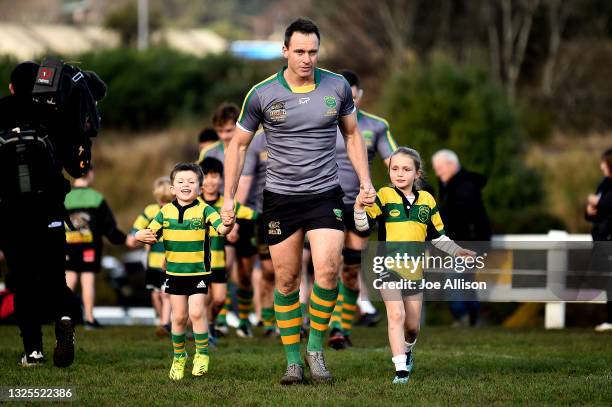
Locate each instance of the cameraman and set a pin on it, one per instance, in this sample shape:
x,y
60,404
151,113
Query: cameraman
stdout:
x,y
32,191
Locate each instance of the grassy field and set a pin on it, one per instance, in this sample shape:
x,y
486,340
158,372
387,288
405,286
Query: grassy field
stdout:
x,y
484,366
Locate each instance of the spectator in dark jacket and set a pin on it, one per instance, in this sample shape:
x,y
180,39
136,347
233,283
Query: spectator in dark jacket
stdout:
x,y
599,212
464,215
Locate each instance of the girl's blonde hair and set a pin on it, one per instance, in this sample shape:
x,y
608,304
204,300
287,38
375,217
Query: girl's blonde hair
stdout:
x,y
418,164
161,190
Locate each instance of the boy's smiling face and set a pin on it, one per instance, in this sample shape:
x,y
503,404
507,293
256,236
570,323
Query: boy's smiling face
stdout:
x,y
212,180
186,186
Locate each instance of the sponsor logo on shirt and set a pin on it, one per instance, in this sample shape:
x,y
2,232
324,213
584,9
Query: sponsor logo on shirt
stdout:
x,y
278,112
394,213
368,135
196,224
303,101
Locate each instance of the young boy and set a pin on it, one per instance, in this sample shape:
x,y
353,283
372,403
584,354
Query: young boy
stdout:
x,y
92,219
155,276
184,225
213,173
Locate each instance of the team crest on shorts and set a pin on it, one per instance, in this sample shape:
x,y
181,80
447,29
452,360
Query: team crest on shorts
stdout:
x,y
196,224
278,112
274,228
338,213
424,214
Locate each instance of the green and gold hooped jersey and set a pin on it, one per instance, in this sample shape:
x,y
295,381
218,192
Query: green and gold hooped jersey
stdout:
x,y
217,242
403,225
155,256
186,236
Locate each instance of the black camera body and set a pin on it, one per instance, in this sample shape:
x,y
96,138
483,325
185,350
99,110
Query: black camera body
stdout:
x,y
70,92
52,130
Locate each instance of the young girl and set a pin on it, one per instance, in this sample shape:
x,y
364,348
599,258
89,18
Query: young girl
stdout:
x,y
404,214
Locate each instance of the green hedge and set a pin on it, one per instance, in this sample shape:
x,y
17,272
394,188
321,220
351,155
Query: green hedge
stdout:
x,y
155,88
441,105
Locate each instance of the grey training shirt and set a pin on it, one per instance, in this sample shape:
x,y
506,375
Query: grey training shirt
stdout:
x,y
300,130
378,139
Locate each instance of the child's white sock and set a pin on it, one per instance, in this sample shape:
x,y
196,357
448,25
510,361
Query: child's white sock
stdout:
x,y
410,345
366,306
399,362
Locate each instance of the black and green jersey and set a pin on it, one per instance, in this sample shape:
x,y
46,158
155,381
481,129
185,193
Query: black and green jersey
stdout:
x,y
186,237
92,219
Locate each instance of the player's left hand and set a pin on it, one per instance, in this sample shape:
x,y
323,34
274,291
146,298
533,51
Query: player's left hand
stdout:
x,y
367,194
228,216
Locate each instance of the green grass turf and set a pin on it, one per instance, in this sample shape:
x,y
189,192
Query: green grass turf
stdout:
x,y
484,366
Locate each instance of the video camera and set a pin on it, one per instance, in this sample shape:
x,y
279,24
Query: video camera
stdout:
x,y
53,129
71,92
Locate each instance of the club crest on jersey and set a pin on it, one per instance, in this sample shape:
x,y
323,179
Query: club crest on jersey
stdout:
x,y
196,224
330,101
278,112
424,212
274,228
338,213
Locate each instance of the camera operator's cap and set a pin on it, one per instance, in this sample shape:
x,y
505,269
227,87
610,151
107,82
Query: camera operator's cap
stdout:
x,y
96,85
23,77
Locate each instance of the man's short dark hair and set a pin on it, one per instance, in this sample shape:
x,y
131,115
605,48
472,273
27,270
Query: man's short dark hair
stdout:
x,y
304,26
23,77
226,112
187,167
351,77
207,135
211,165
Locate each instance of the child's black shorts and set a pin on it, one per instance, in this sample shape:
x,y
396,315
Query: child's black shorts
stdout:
x,y
82,259
285,214
186,285
219,276
246,246
154,278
